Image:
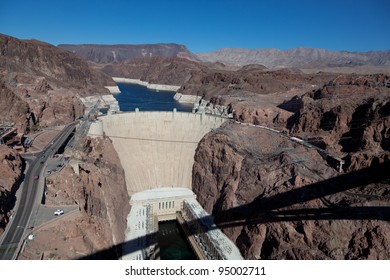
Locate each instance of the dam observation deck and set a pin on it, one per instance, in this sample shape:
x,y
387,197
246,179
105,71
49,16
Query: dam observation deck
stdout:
x,y
152,206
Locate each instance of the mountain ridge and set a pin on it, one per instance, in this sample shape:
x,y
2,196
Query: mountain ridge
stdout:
x,y
300,57
116,53
296,57
40,80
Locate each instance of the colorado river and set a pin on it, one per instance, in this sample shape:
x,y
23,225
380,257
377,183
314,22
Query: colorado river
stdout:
x,y
173,243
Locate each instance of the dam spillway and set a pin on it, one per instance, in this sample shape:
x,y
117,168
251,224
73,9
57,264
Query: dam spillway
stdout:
x,y
157,149
166,204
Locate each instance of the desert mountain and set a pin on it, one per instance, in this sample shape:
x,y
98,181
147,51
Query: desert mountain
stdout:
x,y
106,54
40,80
297,57
40,85
160,70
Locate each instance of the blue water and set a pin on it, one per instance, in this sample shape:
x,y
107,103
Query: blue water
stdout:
x,y
173,243
135,96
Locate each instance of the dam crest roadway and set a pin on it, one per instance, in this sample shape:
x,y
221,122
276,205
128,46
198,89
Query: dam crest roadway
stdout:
x,y
156,151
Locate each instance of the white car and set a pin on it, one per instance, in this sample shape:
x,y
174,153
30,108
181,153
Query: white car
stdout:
x,y
58,212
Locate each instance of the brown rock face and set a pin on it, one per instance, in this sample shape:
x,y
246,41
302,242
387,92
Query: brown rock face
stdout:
x,y
349,116
268,115
36,77
11,169
276,200
58,109
100,193
12,107
40,59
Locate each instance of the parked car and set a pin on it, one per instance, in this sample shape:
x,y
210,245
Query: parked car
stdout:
x,y
58,212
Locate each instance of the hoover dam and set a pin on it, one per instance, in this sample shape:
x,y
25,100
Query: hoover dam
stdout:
x,y
156,149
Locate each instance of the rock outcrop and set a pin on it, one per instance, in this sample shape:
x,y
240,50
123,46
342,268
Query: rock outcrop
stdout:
x,y
11,170
44,82
279,200
13,108
39,59
349,116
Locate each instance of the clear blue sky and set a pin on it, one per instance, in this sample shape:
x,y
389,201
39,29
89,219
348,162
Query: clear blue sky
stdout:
x,y
203,25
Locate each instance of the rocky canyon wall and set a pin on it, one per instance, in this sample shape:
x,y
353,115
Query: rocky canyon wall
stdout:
x,y
11,170
96,230
40,83
267,195
349,116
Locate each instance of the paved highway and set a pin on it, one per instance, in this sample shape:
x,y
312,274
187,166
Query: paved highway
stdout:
x,y
30,196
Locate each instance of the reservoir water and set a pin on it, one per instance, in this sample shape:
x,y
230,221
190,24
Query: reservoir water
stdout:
x,y
136,96
173,244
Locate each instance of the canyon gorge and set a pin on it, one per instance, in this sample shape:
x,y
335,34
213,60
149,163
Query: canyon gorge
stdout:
x,y
273,197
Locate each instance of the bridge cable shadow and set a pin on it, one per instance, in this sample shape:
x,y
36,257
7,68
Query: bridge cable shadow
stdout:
x,y
265,210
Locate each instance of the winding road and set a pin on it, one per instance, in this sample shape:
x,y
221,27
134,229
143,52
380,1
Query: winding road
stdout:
x,y
30,196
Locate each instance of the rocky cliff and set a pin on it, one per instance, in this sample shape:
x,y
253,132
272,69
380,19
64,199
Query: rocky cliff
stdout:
x,y
43,81
40,59
276,200
279,200
298,57
97,228
348,116
13,108
111,54
11,170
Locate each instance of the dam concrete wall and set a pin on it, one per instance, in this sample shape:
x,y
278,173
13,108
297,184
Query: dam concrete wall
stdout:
x,y
157,149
